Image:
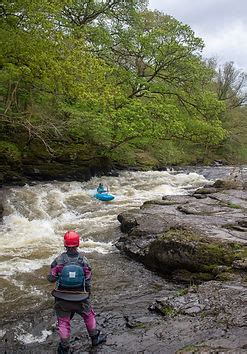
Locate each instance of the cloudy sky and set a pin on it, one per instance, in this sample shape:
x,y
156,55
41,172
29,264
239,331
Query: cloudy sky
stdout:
x,y
222,24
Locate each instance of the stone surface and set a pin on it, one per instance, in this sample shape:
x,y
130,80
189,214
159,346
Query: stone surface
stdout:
x,y
186,233
1,205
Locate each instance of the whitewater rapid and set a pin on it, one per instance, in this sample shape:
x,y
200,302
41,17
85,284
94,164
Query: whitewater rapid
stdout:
x,y
37,216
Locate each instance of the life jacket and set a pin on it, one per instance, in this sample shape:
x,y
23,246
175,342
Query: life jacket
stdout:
x,y
101,190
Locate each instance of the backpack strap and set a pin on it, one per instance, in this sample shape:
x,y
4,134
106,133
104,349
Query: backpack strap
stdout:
x,y
65,258
77,260
81,259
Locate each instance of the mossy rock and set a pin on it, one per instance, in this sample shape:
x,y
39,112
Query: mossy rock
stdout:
x,y
58,152
225,276
9,153
149,203
187,277
168,311
186,249
227,184
188,349
34,151
74,152
53,170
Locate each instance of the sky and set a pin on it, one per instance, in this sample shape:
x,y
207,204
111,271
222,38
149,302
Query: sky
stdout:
x,y
222,24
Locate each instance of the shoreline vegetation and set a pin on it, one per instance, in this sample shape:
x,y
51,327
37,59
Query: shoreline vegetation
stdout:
x,y
78,97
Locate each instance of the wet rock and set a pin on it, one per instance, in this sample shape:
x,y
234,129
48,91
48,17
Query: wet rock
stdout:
x,y
1,204
149,203
239,225
132,323
176,199
220,269
185,234
194,210
232,183
186,249
188,305
199,196
146,319
240,264
113,173
209,298
205,190
232,198
219,163
128,222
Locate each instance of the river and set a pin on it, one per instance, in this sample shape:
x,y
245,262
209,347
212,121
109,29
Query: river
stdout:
x,y
36,217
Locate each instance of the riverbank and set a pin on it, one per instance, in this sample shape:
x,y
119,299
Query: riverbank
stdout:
x,y
201,319
20,165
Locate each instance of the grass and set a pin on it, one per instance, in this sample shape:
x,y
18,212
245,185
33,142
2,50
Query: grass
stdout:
x,y
233,206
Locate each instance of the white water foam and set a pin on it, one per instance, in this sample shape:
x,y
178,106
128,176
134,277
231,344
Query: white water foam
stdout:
x,y
22,265
36,217
90,246
27,338
2,333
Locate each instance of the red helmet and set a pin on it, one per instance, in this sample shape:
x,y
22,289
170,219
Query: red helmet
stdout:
x,y
71,239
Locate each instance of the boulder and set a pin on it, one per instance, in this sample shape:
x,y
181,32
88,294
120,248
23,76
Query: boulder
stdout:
x,y
1,204
182,236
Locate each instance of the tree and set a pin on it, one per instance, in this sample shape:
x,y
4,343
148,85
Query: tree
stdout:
x,y
230,83
71,73
159,73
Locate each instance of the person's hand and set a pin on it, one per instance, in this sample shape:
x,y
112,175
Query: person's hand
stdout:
x,y
51,278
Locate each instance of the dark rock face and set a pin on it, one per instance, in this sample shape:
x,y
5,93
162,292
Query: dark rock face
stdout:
x,y
53,170
35,161
1,204
186,234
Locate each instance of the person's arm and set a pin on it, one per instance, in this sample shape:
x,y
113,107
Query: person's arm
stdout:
x,y
88,275
54,271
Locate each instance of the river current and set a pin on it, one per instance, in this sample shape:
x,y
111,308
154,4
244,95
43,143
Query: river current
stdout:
x,y
37,216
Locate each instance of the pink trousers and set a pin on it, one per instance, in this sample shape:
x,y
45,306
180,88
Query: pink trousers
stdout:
x,y
64,310
63,325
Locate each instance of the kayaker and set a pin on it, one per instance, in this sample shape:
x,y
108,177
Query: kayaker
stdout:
x,y
72,274
102,189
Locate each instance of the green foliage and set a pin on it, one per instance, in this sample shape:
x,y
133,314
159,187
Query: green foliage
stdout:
x,y
9,153
188,349
182,292
233,206
234,147
168,311
110,75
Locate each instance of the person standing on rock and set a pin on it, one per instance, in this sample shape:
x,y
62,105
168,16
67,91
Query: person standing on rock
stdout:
x,y
72,275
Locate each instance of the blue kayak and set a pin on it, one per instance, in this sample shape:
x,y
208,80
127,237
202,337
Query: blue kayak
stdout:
x,y
106,197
